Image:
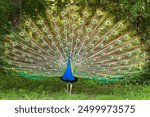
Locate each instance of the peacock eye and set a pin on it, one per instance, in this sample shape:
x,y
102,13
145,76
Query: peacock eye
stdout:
x,y
73,26
75,48
53,44
23,55
129,45
118,58
75,8
78,40
27,39
118,41
129,53
45,29
118,70
100,29
106,38
126,62
121,24
94,21
126,37
33,29
29,55
111,57
79,31
136,57
101,45
27,23
63,13
49,11
7,45
74,16
58,37
66,48
84,47
54,19
24,47
49,36
22,34
11,35
114,32
31,60
14,50
65,21
92,45
20,66
86,13
89,29
34,45
138,51
40,36
108,22
56,29
65,31
143,55
136,41
15,44
40,22
61,45
99,12
110,46
15,58
71,35
39,51
91,50
96,37
81,22
87,38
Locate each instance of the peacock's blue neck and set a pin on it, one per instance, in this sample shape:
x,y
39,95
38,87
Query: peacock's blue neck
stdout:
x,y
68,76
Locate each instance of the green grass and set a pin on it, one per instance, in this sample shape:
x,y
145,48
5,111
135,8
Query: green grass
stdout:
x,y
16,88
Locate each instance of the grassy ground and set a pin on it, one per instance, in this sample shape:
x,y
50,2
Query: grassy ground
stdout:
x,y
16,88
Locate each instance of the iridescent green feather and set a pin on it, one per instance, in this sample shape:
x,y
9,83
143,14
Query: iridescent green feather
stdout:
x,y
99,48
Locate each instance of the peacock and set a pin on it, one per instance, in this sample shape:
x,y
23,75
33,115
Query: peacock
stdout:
x,y
76,43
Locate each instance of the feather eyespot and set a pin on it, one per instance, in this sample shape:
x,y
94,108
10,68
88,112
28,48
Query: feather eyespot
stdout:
x,y
63,13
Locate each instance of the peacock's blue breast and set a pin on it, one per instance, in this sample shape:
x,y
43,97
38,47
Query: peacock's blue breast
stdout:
x,y
68,75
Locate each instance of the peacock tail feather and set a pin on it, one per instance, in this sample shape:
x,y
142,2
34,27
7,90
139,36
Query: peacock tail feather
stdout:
x,y
99,47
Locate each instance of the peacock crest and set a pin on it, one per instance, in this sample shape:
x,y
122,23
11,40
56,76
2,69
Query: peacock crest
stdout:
x,y
97,46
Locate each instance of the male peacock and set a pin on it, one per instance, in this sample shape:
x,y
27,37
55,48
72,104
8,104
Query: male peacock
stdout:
x,y
74,44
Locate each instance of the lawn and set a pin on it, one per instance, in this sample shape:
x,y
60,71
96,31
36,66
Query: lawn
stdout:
x,y
16,88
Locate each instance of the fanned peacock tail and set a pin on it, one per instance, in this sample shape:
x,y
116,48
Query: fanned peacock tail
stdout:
x,y
98,47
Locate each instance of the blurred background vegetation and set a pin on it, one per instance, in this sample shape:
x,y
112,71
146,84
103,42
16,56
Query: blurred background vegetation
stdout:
x,y
137,12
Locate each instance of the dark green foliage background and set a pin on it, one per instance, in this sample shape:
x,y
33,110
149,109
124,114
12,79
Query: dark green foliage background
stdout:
x,y
135,11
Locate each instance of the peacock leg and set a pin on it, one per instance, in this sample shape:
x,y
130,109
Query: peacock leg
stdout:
x,y
70,88
67,88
